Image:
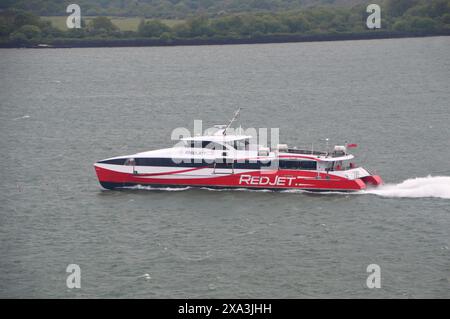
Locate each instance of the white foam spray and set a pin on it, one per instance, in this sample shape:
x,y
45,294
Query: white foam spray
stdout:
x,y
153,188
419,187
22,117
430,186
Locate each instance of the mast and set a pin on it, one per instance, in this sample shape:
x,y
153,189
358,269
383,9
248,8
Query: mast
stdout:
x,y
236,114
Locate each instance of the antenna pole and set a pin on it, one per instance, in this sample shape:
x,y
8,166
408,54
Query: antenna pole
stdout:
x,y
236,114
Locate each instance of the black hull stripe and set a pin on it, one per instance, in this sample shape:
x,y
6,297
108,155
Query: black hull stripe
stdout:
x,y
118,186
169,162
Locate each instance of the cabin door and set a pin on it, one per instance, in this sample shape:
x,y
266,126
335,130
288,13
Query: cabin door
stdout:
x,y
221,167
131,162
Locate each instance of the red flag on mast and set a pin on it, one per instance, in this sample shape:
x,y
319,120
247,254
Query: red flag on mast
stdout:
x,y
352,145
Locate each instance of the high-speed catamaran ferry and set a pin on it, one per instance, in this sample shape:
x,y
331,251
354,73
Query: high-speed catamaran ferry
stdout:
x,y
221,160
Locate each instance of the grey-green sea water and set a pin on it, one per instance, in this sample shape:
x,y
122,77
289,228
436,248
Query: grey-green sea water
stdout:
x,y
61,110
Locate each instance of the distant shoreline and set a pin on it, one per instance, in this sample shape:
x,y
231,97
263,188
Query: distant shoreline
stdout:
x,y
286,38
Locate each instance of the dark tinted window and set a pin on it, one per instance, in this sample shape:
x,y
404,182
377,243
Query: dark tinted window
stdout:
x,y
306,165
311,165
177,162
119,161
224,165
248,165
205,144
212,145
169,162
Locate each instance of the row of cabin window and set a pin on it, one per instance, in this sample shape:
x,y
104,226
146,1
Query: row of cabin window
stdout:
x,y
168,162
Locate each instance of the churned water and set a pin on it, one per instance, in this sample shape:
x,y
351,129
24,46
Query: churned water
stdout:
x,y
64,109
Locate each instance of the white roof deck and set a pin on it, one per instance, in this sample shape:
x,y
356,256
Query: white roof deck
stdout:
x,y
217,138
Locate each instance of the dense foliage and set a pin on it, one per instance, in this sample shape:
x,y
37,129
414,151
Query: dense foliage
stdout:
x,y
166,8
405,16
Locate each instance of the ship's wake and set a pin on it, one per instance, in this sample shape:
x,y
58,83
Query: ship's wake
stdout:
x,y
419,187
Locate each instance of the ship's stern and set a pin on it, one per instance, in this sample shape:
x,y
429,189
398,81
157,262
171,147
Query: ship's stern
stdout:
x,y
372,180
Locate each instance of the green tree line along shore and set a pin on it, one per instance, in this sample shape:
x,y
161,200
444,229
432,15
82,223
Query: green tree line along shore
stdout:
x,y
165,9
415,17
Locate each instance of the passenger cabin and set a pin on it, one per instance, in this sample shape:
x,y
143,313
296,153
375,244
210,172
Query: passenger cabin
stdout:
x,y
229,152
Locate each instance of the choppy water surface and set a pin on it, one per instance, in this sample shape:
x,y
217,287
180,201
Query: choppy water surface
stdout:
x,y
61,110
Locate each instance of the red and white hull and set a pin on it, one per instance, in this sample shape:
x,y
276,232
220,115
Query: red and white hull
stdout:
x,y
118,176
222,160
